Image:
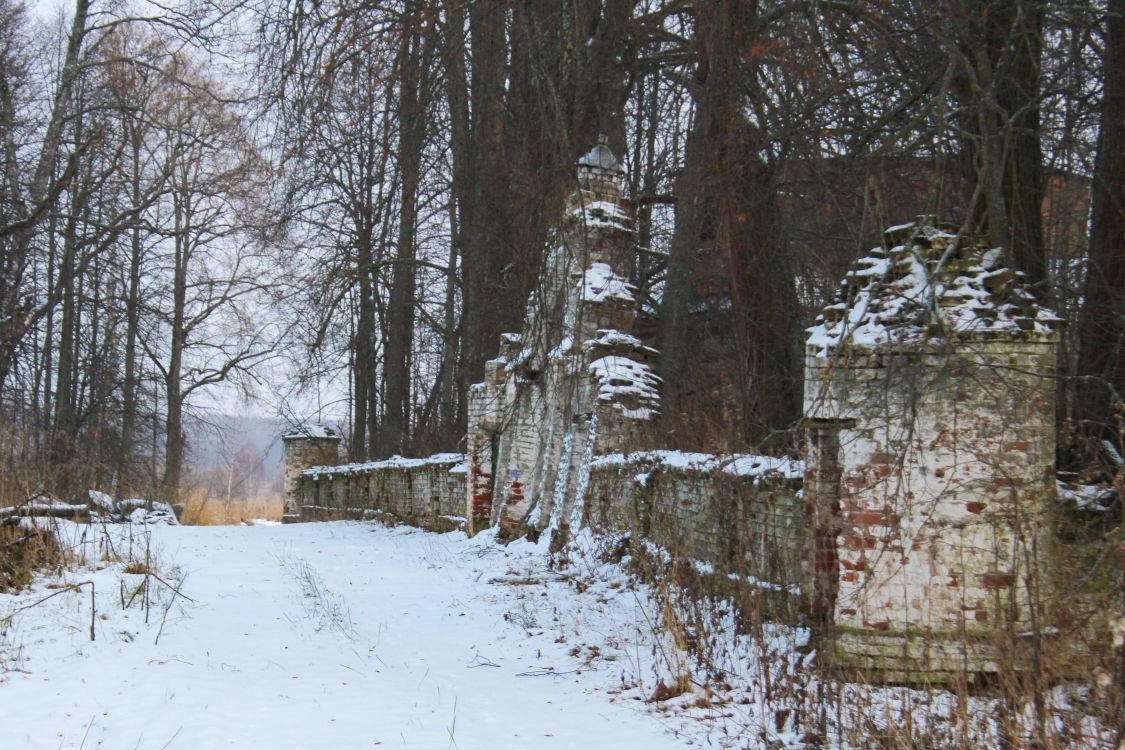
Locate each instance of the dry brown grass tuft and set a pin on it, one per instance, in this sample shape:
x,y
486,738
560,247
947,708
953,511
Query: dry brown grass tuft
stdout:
x,y
25,549
204,509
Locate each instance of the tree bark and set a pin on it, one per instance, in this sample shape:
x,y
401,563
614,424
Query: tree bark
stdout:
x,y
174,440
691,209
1018,26
488,257
1102,327
129,386
415,57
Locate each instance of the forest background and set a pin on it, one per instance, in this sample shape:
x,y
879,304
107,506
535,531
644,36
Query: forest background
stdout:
x,y
303,209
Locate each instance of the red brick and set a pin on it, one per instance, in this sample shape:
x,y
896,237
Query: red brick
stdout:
x,y
868,518
852,541
998,580
878,458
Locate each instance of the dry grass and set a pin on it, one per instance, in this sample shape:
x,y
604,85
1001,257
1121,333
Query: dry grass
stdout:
x,y
201,508
24,550
137,567
712,641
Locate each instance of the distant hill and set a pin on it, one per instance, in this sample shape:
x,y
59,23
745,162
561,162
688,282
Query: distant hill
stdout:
x,y
251,442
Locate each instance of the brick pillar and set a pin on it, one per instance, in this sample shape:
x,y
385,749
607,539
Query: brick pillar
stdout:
x,y
480,483
305,447
822,517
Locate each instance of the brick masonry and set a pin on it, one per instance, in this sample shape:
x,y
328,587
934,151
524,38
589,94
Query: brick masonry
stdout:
x,y
425,492
574,383
740,516
310,445
930,471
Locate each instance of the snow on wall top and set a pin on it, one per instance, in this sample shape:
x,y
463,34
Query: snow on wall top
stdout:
x,y
929,286
611,338
311,431
603,214
394,462
631,386
737,464
600,283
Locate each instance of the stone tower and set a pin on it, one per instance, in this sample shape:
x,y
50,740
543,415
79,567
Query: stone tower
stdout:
x,y
929,395
306,446
574,382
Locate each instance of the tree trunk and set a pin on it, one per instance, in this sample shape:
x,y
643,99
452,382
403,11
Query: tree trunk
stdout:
x,y
363,370
999,48
1102,326
457,97
415,56
174,440
130,384
487,301
1019,27
687,233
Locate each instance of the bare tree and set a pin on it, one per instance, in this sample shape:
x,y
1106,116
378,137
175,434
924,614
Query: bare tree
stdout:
x,y
1102,356
213,266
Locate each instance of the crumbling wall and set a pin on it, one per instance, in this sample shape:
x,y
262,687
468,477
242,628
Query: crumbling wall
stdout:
x,y
424,492
946,479
739,516
574,382
929,387
305,446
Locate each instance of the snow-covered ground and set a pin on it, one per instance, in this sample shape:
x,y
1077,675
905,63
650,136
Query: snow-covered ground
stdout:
x,y
352,635
338,635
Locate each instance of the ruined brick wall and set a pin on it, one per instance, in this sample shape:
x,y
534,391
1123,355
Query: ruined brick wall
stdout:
x,y
932,384
946,477
573,382
305,447
740,515
425,492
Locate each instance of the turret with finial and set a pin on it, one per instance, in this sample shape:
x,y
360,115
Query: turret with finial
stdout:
x,y
600,173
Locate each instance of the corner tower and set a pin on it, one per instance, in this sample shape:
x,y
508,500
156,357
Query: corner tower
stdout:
x,y
929,394
306,446
575,381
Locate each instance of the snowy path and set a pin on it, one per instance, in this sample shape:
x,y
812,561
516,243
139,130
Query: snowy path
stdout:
x,y
316,636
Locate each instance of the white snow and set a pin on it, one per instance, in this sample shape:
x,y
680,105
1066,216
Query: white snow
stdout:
x,y
604,214
631,386
43,504
609,337
311,431
1088,497
904,295
142,511
454,460
102,501
737,464
350,635
563,349
338,635
600,283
